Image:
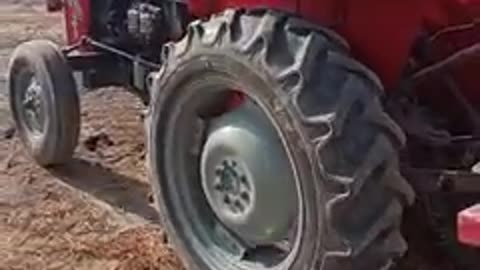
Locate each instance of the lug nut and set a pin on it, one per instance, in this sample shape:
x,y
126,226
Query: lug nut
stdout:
x,y
245,197
227,200
218,186
239,206
246,184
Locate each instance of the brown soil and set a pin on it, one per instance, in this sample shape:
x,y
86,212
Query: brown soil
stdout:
x,y
93,213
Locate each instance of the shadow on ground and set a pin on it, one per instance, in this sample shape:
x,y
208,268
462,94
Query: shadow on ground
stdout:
x,y
130,195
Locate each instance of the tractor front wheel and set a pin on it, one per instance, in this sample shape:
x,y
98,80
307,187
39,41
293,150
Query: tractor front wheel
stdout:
x,y
268,149
44,102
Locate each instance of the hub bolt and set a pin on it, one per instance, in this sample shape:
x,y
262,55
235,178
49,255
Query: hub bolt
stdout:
x,y
233,184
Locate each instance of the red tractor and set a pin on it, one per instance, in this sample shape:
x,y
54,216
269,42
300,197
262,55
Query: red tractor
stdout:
x,y
281,134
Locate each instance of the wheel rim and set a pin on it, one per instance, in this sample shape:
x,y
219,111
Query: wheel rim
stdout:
x,y
214,238
30,103
242,160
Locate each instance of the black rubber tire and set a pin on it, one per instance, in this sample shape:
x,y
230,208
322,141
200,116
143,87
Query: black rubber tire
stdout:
x,y
328,109
56,143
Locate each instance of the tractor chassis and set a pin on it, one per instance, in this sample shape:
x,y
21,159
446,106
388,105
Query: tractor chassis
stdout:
x,y
109,66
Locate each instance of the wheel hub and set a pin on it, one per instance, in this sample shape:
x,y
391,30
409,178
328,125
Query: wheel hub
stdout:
x,y
32,105
231,181
247,177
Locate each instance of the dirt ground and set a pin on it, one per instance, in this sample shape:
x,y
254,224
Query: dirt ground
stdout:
x,y
95,212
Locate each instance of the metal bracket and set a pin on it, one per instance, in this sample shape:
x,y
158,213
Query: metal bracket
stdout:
x,y
450,181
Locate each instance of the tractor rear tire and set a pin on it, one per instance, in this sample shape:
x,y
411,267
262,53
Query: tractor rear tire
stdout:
x,y
328,107
40,67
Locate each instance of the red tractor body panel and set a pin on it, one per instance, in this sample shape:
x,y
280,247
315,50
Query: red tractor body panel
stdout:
x,y
381,33
77,18
468,226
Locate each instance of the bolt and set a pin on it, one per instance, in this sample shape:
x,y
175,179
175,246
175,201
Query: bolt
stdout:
x,y
28,101
227,200
244,181
238,205
234,209
218,186
245,197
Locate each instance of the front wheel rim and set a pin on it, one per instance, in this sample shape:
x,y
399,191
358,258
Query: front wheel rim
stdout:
x,y
30,102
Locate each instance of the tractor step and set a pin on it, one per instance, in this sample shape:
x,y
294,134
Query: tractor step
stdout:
x,y
468,226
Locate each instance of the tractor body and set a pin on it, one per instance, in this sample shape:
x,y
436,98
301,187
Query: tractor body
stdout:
x,y
393,112
380,33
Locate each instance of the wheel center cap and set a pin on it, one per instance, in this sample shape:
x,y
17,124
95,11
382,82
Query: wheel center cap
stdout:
x,y
232,185
247,177
32,104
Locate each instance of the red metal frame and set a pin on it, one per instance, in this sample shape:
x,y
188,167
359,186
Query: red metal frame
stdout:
x,y
367,25
77,20
468,226
380,32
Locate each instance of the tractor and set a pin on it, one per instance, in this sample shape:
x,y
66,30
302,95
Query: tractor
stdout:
x,y
280,134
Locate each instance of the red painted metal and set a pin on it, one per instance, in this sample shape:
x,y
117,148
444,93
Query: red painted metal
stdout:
x,y
468,226
381,33
77,20
235,100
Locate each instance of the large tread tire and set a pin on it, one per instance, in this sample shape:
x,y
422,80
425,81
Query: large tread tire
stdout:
x,y
351,143
56,143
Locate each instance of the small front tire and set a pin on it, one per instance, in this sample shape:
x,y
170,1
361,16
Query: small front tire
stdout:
x,y
44,102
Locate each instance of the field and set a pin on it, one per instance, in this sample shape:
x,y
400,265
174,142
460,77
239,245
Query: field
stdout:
x,y
94,213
